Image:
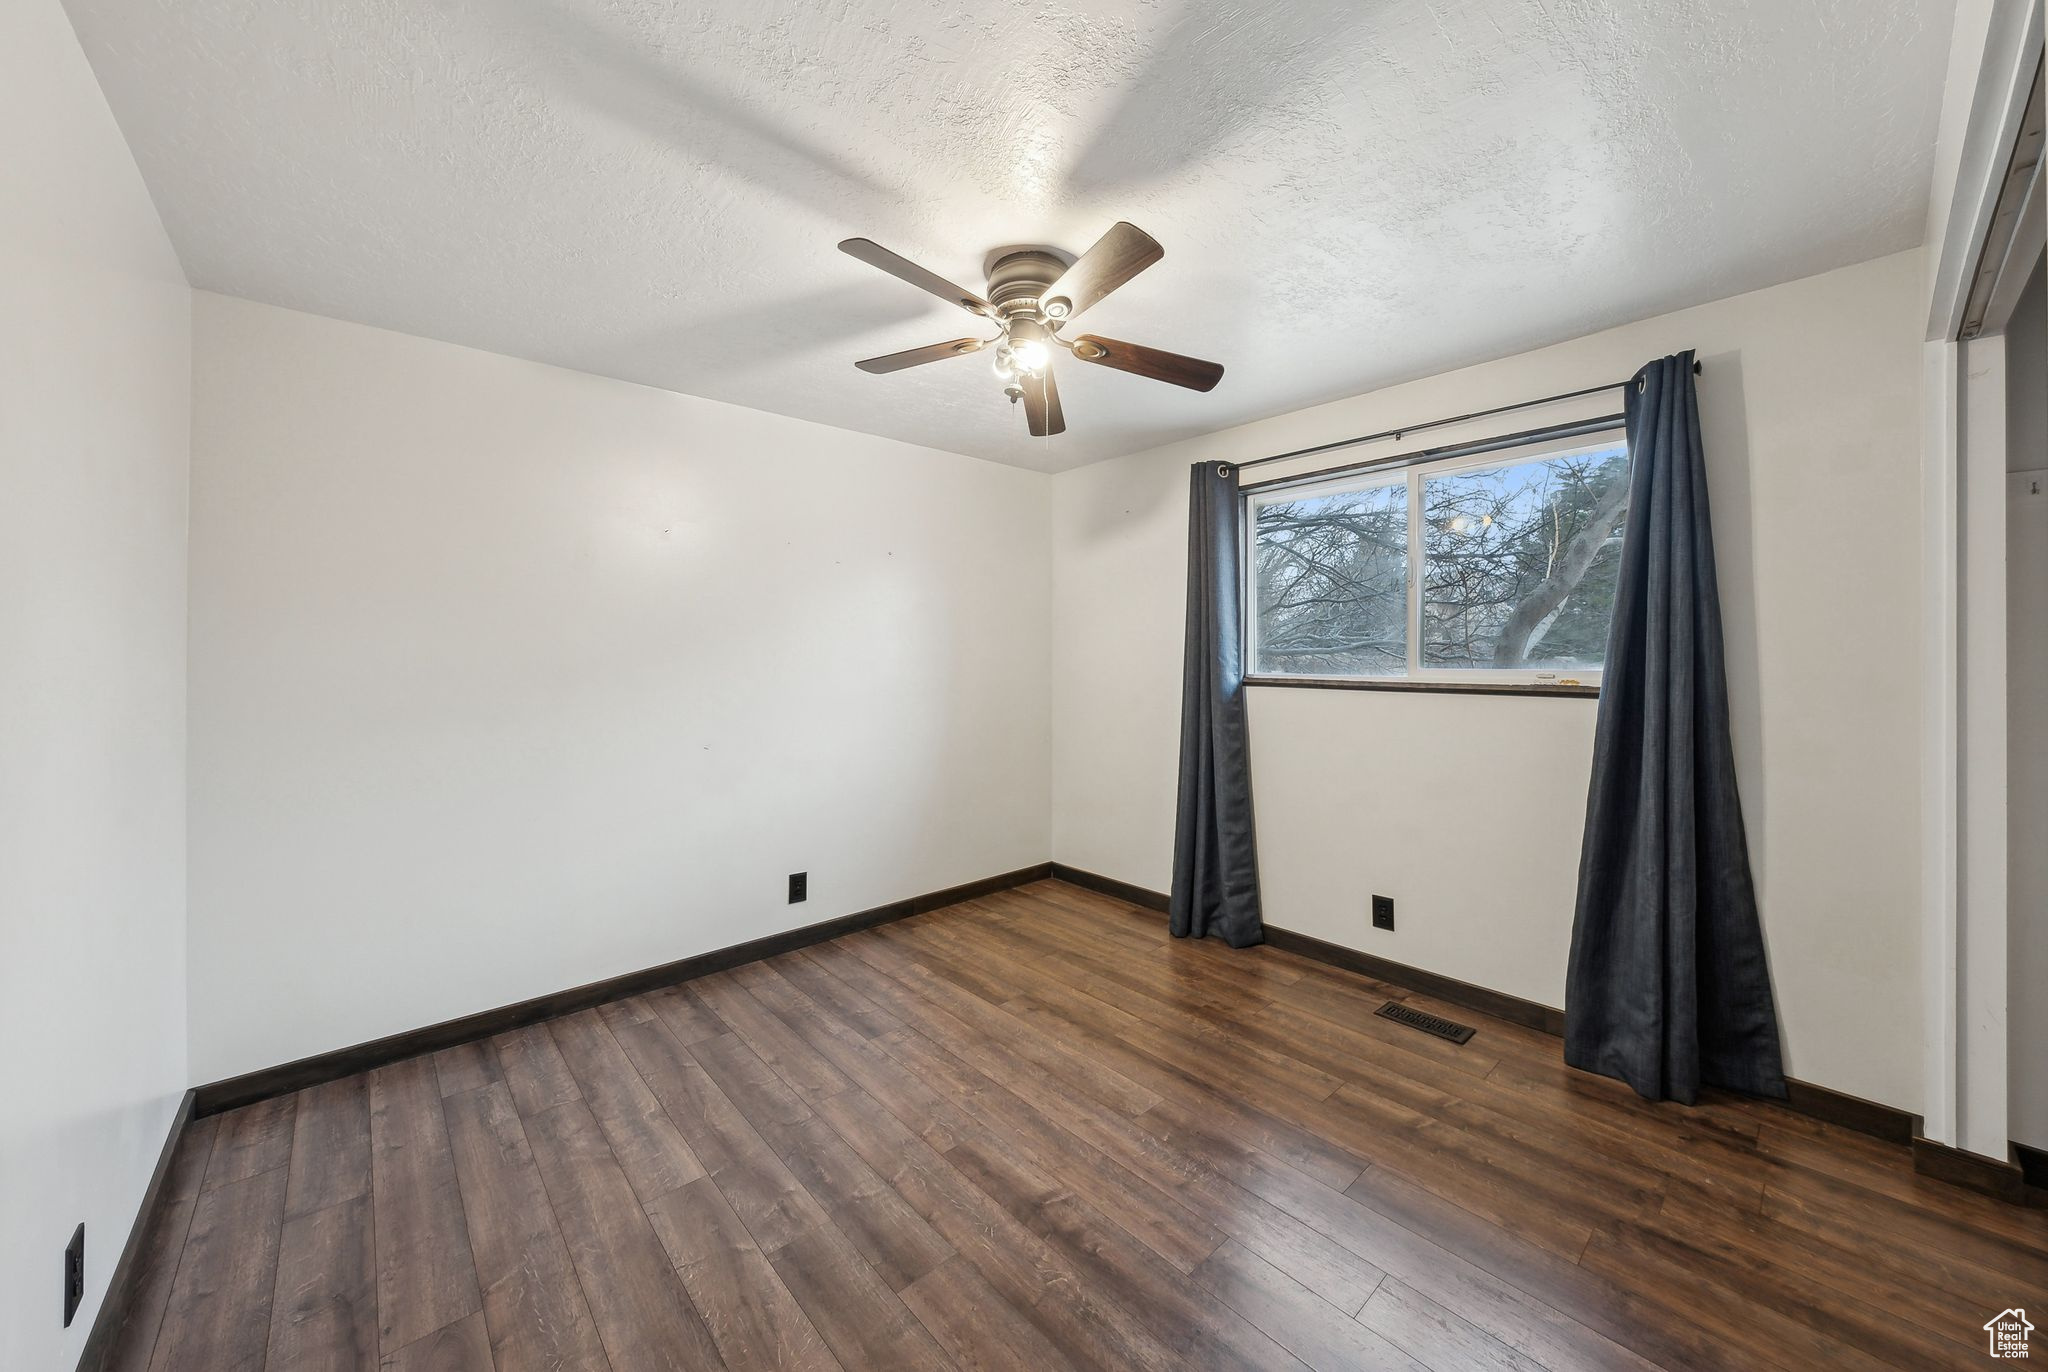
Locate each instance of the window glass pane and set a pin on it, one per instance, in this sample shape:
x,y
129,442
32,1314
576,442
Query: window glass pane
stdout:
x,y
1330,583
1519,561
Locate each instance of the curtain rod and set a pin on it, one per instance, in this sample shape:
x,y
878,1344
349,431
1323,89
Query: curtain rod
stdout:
x,y
1405,430
1605,423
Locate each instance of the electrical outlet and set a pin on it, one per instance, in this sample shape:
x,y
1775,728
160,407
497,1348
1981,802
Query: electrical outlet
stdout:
x,y
74,1273
1382,912
799,884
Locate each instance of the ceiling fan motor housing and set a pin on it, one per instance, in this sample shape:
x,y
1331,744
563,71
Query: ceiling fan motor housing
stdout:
x,y
1017,282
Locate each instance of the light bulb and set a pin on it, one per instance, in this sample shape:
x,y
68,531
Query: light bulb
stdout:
x,y
1004,367
1029,356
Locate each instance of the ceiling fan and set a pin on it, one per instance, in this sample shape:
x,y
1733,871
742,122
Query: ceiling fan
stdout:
x,y
1032,295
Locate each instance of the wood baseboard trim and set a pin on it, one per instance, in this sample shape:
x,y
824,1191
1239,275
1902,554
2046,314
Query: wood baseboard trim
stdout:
x,y
2002,1180
1803,1097
246,1089
2007,1180
113,1312
2033,1165
1527,1013
1839,1108
1109,886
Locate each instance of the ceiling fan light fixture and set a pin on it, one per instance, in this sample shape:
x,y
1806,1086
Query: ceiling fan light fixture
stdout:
x,y
1029,356
1032,293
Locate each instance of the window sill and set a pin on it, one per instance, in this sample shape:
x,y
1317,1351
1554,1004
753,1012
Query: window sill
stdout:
x,y
1458,688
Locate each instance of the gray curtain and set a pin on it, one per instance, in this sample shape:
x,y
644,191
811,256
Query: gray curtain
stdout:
x,y
1215,859
1667,988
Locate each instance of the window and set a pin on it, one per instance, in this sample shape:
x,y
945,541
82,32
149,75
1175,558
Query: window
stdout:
x,y
1496,568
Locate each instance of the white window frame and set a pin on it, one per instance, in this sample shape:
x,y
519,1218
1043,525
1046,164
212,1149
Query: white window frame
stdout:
x,y
1413,471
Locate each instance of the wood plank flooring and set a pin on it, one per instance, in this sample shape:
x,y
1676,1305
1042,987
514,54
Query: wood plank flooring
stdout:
x,y
1032,1133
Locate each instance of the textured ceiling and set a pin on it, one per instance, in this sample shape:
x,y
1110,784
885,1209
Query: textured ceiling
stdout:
x,y
1350,192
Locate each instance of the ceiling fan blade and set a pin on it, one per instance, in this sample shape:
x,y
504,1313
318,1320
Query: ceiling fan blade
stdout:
x,y
1117,256
915,357
875,255
1042,404
1173,368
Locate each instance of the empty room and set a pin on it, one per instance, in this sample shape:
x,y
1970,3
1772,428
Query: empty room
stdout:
x,y
948,686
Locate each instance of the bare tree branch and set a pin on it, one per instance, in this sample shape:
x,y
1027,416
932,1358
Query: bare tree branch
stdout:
x,y
1511,645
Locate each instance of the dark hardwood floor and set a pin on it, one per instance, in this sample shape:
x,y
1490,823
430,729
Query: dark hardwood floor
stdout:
x,y
1032,1132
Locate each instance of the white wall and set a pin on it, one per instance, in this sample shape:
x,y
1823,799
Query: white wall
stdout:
x,y
95,366
507,678
2026,606
1810,409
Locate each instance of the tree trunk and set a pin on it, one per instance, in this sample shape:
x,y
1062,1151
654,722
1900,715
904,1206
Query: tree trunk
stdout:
x,y
1511,646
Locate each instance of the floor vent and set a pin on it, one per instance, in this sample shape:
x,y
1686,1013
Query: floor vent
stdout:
x,y
1428,1024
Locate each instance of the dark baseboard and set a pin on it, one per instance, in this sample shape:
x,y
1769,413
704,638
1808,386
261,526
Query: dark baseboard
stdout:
x,y
1461,993
2033,1164
2002,1180
1885,1122
1109,886
2008,1181
1803,1097
1823,1103
1527,1013
346,1062
2005,1180
113,1312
